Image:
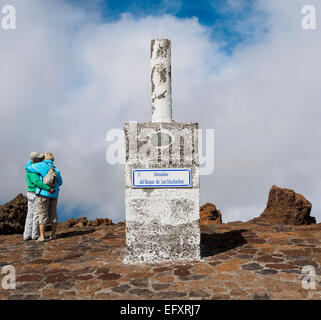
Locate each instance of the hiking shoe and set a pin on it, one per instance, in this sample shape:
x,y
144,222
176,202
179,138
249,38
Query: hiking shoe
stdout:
x,y
52,237
41,239
26,239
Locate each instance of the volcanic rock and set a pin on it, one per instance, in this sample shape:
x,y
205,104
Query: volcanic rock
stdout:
x,y
209,214
241,261
13,215
84,222
285,206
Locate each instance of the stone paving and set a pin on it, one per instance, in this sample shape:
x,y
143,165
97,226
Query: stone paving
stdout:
x,y
239,261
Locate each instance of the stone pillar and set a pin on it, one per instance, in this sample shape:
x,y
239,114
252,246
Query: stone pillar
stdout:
x,y
162,182
160,54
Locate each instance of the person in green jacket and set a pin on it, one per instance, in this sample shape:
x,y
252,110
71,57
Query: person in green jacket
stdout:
x,y
31,230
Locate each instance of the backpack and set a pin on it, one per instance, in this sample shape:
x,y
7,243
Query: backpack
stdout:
x,y
51,177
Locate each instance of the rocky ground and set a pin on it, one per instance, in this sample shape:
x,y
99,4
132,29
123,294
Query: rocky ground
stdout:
x,y
239,261
260,259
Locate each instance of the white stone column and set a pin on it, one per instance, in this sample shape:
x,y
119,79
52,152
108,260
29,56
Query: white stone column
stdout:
x,y
162,221
161,80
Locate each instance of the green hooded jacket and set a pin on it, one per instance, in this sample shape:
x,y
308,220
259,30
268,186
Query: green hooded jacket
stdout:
x,y
33,181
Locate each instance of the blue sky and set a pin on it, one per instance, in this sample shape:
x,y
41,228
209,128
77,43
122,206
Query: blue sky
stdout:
x,y
221,16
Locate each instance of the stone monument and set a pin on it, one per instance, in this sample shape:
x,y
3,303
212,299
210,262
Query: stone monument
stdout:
x,y
162,176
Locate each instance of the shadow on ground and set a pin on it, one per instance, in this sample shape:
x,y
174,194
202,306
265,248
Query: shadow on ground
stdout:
x,y
212,244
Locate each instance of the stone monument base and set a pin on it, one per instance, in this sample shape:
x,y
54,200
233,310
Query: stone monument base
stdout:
x,y
162,222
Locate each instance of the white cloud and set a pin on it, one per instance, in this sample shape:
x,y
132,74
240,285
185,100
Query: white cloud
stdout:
x,y
236,5
67,78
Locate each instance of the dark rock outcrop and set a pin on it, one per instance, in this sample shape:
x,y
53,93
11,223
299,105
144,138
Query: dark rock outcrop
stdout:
x,y
13,215
285,206
84,222
209,214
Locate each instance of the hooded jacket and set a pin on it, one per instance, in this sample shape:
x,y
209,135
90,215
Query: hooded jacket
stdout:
x,y
42,168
